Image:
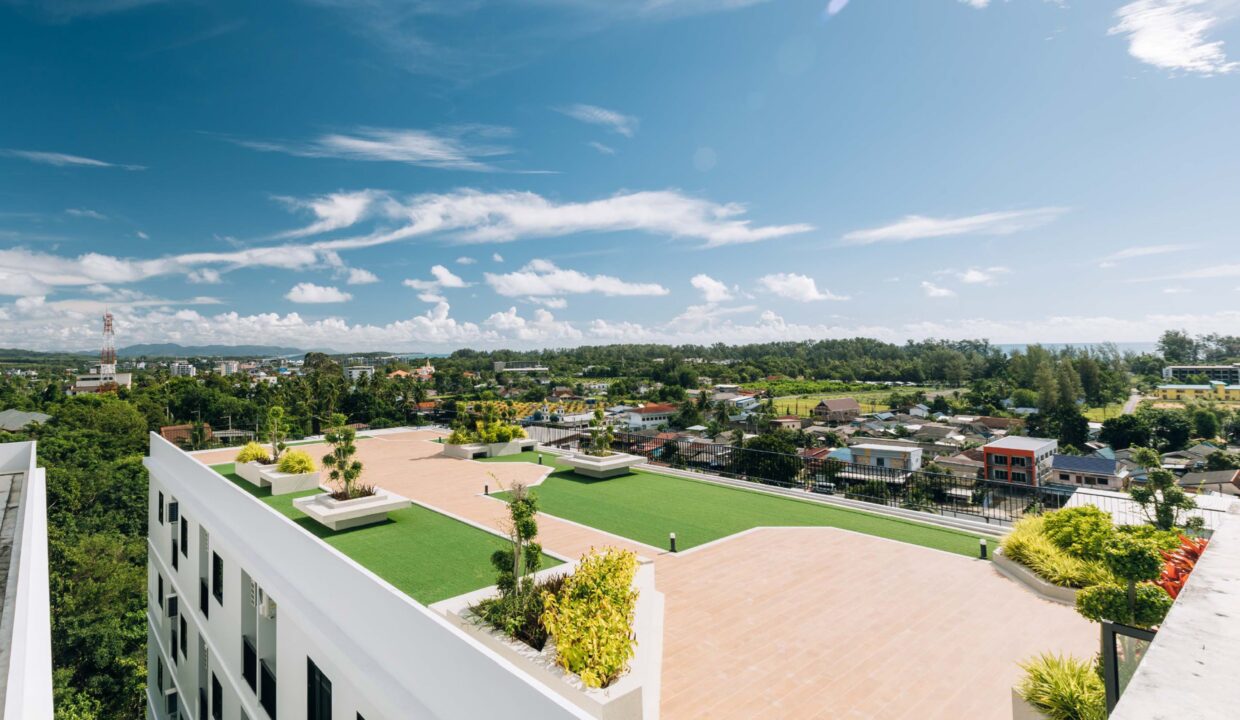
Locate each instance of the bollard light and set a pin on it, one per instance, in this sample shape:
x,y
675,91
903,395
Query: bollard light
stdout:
x,y
540,458
671,541
981,548
486,490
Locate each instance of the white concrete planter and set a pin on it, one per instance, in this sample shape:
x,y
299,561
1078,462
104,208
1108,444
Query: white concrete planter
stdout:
x,y
467,451
1022,710
344,514
608,466
512,447
634,696
251,472
283,483
1023,575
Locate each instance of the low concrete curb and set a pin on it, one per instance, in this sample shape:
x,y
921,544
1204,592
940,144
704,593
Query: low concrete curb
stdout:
x,y
1023,575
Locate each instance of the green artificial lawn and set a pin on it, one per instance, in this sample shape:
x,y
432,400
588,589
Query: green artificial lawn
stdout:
x,y
427,555
646,507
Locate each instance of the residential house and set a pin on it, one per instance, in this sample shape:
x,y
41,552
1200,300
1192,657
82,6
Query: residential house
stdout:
x,y
651,415
968,465
14,420
1019,459
837,410
887,456
1193,458
919,410
1087,471
786,422
1223,482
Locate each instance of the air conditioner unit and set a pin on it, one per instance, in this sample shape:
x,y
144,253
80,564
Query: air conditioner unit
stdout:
x,y
253,593
267,607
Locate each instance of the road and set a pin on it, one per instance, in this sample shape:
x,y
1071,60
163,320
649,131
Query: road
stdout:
x,y
1131,406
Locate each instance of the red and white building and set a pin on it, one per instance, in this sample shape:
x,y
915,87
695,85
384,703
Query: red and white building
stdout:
x,y
651,415
1024,460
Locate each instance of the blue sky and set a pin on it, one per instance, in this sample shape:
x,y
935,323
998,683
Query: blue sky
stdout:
x,y
433,174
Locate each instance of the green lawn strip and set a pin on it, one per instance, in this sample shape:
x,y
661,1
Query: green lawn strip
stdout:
x,y
646,506
425,554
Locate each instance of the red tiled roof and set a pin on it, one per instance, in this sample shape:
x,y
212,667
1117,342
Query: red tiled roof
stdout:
x,y
656,409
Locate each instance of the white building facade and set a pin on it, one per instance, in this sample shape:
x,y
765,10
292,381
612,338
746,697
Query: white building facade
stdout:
x,y
252,617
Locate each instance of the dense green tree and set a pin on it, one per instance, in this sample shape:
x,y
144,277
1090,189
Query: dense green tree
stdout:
x,y
1178,347
1125,431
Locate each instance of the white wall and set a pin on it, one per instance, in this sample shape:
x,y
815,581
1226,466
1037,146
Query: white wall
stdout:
x,y
386,655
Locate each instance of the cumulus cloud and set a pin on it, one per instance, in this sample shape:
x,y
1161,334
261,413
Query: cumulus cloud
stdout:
x,y
919,227
465,260
612,120
429,290
1171,34
544,278
57,159
542,328
792,286
466,147
978,275
360,276
712,290
310,293
935,291
203,276
496,257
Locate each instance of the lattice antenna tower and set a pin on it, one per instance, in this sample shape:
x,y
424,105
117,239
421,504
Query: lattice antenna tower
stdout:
x,y
107,358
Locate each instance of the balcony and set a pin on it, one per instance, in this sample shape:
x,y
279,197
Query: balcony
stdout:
x,y
249,663
267,696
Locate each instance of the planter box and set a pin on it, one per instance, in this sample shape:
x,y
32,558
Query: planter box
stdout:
x,y
468,451
1023,575
252,472
345,514
632,697
610,466
1022,710
284,483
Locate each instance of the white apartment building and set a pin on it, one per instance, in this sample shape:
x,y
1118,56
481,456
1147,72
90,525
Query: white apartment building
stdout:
x,y
651,415
252,617
25,622
357,372
227,367
182,369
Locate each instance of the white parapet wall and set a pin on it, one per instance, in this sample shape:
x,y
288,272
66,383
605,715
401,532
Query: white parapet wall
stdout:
x,y
602,467
387,655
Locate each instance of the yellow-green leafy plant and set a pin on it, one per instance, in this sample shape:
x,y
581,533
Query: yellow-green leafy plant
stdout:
x,y
1082,532
295,462
1063,688
253,452
591,617
1029,545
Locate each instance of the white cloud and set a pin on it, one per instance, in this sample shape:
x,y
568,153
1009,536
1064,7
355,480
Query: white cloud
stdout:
x,y
472,216
64,159
835,6
461,148
712,290
1176,291
465,260
542,328
310,293
446,278
601,148
796,287
918,227
614,121
429,290
360,276
86,213
935,291
142,236
203,276
978,4
333,211
543,278
978,276
1138,251
1171,34
1205,273
496,257
556,303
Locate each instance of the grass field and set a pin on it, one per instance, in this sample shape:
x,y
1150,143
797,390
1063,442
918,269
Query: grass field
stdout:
x,y
1102,414
646,507
429,556
870,400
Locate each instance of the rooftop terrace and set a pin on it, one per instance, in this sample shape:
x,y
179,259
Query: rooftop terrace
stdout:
x,y
775,607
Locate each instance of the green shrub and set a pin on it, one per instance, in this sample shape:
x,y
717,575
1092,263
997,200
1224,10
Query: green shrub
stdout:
x,y
1063,688
1110,602
1133,558
295,462
253,452
1082,532
1029,545
519,615
1168,540
591,618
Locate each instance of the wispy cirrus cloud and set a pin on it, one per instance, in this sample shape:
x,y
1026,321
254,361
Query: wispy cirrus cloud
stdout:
x,y
59,159
921,227
334,211
467,147
541,278
1172,34
612,120
1139,251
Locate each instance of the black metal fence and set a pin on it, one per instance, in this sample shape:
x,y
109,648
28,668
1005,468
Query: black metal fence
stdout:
x,y
939,493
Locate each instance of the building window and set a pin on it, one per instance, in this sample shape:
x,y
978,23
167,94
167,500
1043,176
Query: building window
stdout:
x,y
880,462
160,511
174,552
999,459
1019,461
318,693
1001,475
184,644
185,537
1091,481
217,698
1018,477
159,590
174,511
217,577
1063,477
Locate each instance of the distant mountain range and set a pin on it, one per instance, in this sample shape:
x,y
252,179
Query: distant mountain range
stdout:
x,y
175,350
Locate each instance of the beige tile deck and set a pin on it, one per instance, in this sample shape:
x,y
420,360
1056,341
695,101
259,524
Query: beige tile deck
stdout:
x,y
789,622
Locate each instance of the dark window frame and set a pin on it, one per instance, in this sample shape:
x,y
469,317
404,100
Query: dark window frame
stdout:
x,y
217,577
318,693
161,508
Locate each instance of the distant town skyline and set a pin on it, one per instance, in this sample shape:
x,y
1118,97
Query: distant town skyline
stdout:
x,y
382,175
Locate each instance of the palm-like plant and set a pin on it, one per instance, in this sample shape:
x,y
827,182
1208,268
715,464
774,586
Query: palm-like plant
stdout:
x,y
343,468
277,431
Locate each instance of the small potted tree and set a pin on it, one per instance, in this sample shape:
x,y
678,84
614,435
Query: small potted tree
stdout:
x,y
598,460
350,503
275,428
